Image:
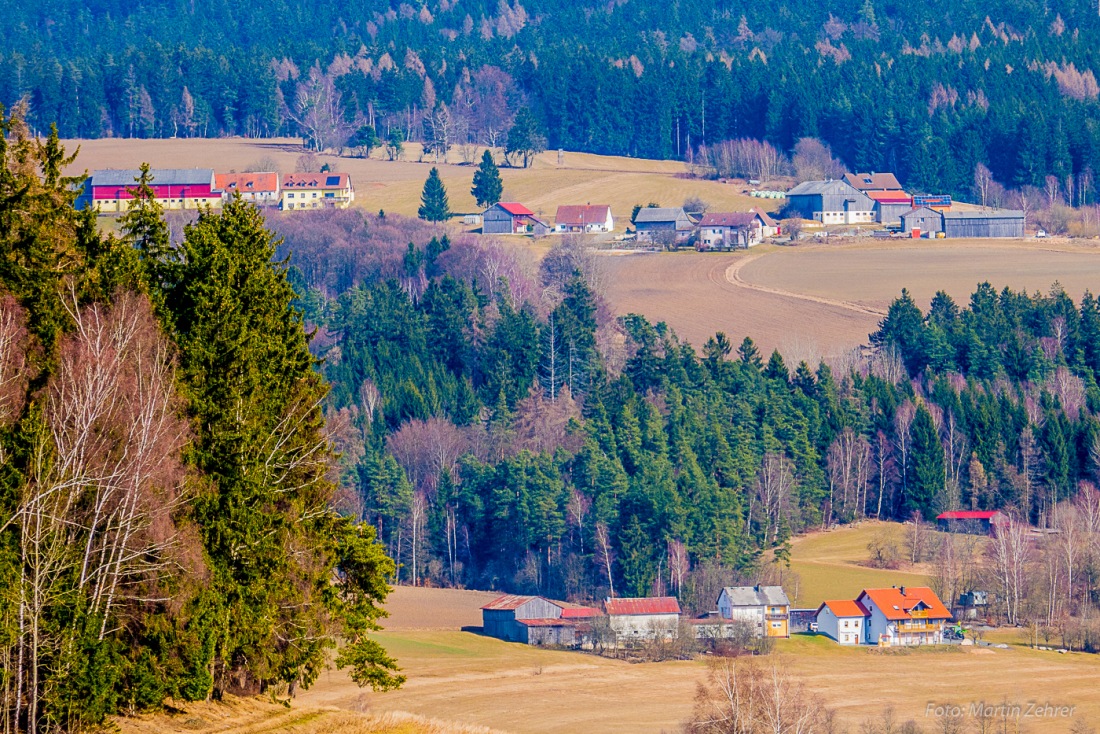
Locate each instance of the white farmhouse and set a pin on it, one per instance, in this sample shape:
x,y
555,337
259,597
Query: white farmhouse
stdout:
x,y
644,618
902,616
844,620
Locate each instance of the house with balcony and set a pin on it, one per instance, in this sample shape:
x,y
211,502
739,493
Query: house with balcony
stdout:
x,y
766,608
902,616
316,191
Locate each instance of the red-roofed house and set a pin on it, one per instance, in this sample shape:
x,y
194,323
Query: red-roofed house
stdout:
x,y
644,618
905,615
509,217
584,218
974,522
536,621
262,189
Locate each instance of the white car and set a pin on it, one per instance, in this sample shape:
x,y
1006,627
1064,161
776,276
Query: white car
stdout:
x,y
1041,234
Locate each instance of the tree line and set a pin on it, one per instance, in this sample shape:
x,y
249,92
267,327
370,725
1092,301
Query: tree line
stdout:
x,y
928,91
168,528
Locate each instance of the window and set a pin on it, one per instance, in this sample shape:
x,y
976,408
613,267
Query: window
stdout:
x,y
290,196
845,623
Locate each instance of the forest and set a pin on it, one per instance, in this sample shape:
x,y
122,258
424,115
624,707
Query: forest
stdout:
x,y
168,521
927,90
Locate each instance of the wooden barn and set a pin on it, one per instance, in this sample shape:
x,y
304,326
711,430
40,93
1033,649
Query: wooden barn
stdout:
x,y
921,221
830,202
983,223
509,217
971,522
535,620
665,225
645,618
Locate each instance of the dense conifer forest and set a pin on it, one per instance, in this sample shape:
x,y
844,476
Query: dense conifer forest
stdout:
x,y
928,90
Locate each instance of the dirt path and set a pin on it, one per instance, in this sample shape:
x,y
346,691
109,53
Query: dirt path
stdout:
x,y
733,275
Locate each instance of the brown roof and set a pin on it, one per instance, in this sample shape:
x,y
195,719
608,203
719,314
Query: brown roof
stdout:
x,y
648,605
873,181
896,605
581,214
246,182
728,219
844,608
764,217
508,601
315,180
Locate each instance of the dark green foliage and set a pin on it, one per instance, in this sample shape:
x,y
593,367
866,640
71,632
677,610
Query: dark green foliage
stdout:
x,y
525,140
433,200
488,186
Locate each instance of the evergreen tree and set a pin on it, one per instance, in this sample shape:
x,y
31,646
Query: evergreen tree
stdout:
x,y
433,200
488,186
927,469
143,228
525,139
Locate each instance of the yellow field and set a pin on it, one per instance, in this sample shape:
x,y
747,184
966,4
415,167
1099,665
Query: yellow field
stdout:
x,y
396,185
821,300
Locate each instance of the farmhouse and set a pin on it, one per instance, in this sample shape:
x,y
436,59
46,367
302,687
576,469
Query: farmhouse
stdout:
x,y
509,217
769,227
767,608
644,618
898,616
316,191
536,621
261,189
584,218
663,224
108,190
973,522
830,202
729,230
868,182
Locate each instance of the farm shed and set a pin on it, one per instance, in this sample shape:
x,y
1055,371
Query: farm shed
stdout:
x,y
890,205
830,202
671,226
984,223
174,188
922,218
644,618
509,217
971,522
767,608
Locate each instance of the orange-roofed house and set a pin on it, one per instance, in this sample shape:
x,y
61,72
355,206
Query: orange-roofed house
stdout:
x,y
844,620
316,191
261,189
646,618
900,615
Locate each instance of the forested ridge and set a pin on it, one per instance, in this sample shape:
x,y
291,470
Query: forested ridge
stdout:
x,y
503,429
928,90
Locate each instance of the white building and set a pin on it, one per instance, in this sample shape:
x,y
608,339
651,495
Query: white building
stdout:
x,y
644,618
844,620
896,616
586,218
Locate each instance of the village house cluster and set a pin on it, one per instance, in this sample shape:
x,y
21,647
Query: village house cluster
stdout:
x,y
885,617
111,191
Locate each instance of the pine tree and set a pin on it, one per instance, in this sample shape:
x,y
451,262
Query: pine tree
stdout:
x,y
433,201
488,186
927,470
525,139
144,229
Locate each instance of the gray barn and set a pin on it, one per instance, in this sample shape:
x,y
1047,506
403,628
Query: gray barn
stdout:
x,y
984,223
830,202
509,217
667,225
502,618
922,218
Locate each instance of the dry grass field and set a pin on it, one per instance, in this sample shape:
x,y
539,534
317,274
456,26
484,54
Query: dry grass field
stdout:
x,y
396,185
824,299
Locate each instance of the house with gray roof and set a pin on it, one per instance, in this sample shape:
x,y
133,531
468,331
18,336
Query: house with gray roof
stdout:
x,y
830,202
669,226
767,608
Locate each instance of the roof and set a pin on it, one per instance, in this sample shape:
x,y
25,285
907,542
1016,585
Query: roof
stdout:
x,y
647,605
247,181
581,214
660,214
757,596
844,608
925,211
984,214
160,176
764,217
897,603
968,515
515,209
817,188
871,181
890,197
576,611
315,181
545,622
508,602
728,219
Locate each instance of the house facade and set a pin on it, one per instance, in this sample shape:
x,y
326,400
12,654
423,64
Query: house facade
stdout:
x,y
666,225
644,618
729,231
769,227
108,191
509,217
261,189
316,191
898,616
767,608
831,202
585,219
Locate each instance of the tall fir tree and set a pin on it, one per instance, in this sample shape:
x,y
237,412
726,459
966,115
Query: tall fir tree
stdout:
x,y
488,186
433,201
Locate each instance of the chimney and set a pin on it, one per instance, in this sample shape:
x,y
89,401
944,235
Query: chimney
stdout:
x,y
902,590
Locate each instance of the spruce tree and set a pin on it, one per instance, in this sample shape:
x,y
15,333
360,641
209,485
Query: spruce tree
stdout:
x,y
433,201
144,229
488,186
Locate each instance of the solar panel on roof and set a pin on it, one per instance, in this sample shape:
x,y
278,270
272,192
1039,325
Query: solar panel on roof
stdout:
x,y
332,181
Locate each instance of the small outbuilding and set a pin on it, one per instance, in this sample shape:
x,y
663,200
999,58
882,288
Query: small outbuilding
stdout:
x,y
971,522
921,221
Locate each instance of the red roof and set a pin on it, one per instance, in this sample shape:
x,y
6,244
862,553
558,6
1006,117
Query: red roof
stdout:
x,y
890,197
648,605
516,210
245,182
968,515
896,605
844,608
581,215
728,219
315,181
575,611
508,601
